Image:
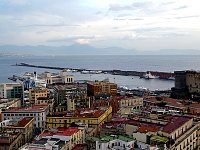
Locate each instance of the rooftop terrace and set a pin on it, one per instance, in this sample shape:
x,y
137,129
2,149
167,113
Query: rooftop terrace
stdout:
x,y
108,138
159,139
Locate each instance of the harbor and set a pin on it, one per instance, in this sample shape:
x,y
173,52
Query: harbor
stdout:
x,y
141,74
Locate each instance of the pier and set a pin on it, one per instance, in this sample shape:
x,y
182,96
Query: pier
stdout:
x,y
162,75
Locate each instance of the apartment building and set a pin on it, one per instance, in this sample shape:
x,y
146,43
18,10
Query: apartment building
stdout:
x,y
58,139
98,87
11,90
24,126
94,117
39,112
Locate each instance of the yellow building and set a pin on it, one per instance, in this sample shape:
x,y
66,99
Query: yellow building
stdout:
x,y
24,126
91,116
36,93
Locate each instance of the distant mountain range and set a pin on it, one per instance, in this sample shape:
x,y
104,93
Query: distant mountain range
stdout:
x,y
78,49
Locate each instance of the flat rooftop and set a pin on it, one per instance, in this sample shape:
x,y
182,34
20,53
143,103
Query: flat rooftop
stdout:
x,y
100,83
8,136
71,86
174,123
40,107
82,113
108,138
23,122
60,131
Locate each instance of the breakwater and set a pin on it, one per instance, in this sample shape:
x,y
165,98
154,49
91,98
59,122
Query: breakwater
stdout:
x,y
95,71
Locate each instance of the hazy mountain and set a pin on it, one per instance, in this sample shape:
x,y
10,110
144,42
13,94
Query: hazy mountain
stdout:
x,y
78,49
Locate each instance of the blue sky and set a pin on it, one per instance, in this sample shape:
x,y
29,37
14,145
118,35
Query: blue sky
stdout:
x,y
134,24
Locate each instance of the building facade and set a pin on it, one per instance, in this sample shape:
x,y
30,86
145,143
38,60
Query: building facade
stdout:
x,y
94,117
39,112
11,90
97,87
24,126
63,93
35,93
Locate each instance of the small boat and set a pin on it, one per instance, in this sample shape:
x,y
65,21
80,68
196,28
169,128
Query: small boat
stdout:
x,y
171,78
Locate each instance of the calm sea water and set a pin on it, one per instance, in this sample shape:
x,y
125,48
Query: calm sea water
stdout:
x,y
138,63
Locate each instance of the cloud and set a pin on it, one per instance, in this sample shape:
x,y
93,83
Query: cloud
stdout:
x,y
185,17
181,7
137,19
51,25
133,6
167,3
79,39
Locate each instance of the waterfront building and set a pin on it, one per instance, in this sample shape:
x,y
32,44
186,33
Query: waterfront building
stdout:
x,y
11,90
31,80
57,139
98,87
193,82
187,84
94,117
39,112
52,78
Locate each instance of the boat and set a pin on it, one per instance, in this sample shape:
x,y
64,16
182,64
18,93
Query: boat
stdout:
x,y
171,78
85,72
148,75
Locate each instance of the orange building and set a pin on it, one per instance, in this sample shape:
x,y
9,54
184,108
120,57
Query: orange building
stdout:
x,y
99,87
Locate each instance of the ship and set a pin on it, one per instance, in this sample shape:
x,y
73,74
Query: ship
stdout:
x,y
148,75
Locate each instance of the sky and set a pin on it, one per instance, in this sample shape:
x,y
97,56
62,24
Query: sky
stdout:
x,y
133,24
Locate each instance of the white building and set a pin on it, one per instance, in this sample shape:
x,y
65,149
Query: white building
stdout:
x,y
4,123
52,78
119,142
39,112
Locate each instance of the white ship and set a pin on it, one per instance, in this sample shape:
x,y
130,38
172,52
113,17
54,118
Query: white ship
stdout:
x,y
148,75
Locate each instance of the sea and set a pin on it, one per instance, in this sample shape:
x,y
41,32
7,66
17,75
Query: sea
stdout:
x,y
163,63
